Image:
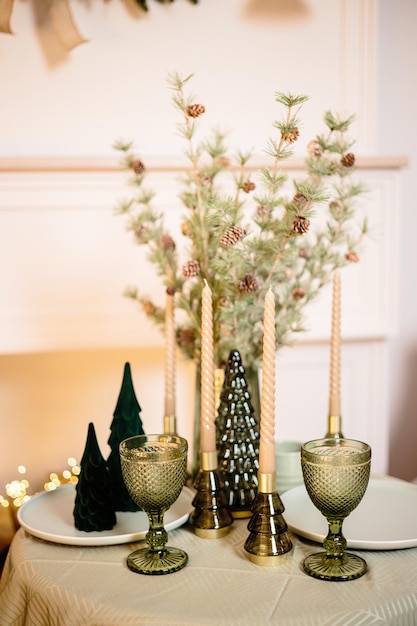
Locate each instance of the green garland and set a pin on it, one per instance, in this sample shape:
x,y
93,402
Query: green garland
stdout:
x,y
280,245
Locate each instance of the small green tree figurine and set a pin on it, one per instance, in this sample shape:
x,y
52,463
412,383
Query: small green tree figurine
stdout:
x,y
126,423
93,508
237,439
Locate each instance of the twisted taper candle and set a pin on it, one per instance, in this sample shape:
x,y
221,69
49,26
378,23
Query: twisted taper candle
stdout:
x,y
334,395
267,428
208,428
169,357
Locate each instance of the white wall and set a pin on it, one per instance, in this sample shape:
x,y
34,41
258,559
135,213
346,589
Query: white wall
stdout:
x,y
397,134
241,52
58,368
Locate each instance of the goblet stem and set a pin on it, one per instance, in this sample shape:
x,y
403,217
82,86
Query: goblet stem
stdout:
x,y
157,536
335,543
335,563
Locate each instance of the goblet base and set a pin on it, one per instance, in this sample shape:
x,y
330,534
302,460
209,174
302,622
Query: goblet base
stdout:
x,y
347,567
166,561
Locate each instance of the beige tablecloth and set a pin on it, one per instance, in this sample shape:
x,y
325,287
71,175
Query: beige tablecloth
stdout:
x,y
49,584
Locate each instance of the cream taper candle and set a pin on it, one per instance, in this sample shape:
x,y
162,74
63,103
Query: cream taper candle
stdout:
x,y
169,355
208,427
267,429
334,395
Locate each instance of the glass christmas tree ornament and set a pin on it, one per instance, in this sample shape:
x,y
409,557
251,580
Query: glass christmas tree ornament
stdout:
x,y
237,439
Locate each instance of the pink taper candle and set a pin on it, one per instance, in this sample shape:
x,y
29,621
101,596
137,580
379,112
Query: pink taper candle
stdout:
x,y
334,395
208,428
169,356
267,434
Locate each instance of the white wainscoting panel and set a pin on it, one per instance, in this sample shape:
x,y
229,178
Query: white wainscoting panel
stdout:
x,y
302,392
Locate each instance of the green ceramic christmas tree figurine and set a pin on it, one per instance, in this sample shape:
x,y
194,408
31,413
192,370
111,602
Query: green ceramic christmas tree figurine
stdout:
x,y
237,439
126,423
93,508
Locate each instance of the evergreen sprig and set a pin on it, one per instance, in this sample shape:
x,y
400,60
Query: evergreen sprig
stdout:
x,y
262,233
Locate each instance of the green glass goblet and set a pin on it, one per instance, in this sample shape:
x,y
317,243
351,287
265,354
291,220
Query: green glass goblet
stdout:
x,y
336,475
154,470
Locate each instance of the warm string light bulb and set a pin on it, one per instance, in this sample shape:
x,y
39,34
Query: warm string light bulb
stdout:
x,y
67,476
17,491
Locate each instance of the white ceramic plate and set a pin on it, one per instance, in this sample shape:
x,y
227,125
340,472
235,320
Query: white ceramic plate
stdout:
x,y
386,519
49,515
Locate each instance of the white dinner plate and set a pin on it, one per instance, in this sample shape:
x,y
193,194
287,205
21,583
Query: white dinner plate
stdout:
x,y
49,515
386,518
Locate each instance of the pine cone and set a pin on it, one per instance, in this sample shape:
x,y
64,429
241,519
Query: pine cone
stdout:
x,y
314,148
290,136
222,161
166,242
170,290
191,268
148,307
298,293
195,110
300,200
232,235
263,211
249,283
137,166
248,186
348,159
186,336
301,224
140,233
352,257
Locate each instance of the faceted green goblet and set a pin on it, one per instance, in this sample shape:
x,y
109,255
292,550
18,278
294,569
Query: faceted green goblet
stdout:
x,y
154,470
336,474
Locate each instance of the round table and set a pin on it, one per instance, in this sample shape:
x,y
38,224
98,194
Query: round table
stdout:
x,y
66,585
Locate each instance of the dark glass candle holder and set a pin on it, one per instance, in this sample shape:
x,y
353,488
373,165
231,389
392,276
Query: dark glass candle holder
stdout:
x,y
211,517
268,543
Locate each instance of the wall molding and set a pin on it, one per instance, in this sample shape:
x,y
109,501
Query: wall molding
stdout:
x,y
97,164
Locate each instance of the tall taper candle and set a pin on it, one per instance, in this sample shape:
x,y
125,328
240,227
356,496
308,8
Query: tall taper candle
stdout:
x,y
208,427
267,429
334,396
169,355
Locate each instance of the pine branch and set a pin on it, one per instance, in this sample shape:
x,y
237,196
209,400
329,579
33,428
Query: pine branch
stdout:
x,y
260,234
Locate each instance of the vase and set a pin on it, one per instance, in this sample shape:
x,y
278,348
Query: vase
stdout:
x,y
252,379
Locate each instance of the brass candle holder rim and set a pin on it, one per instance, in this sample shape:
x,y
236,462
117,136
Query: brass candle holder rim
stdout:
x,y
268,560
170,424
211,533
267,482
209,460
